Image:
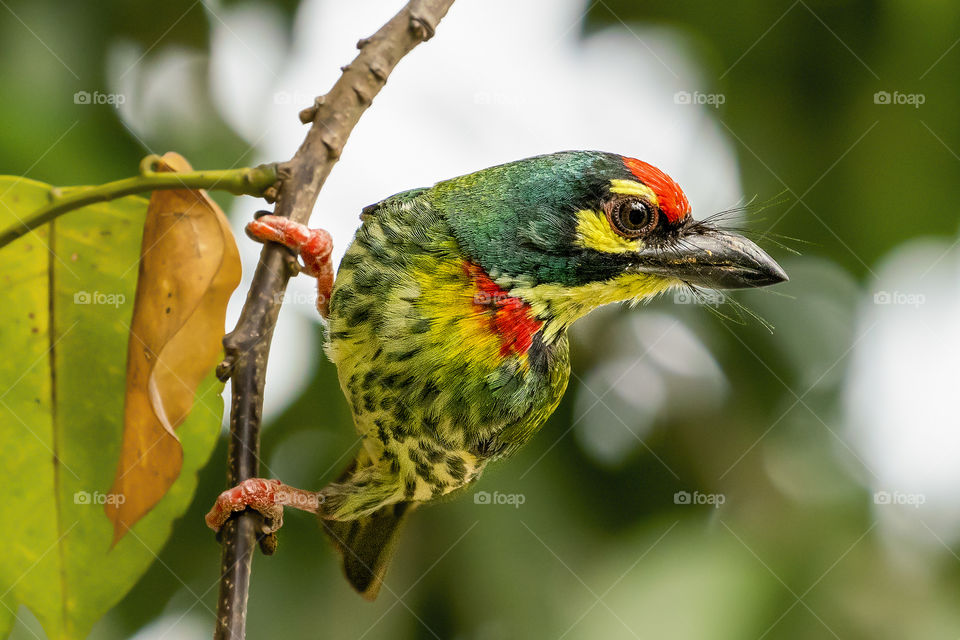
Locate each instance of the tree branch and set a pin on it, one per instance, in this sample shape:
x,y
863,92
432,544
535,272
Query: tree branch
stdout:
x,y
247,347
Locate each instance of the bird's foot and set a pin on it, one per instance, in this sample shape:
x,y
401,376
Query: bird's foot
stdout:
x,y
269,497
312,245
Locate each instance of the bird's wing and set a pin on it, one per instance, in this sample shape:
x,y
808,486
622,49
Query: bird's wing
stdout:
x,y
402,198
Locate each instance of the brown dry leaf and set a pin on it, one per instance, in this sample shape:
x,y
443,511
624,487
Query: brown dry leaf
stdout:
x,y
189,266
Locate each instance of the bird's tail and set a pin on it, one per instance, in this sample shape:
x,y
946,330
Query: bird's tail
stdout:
x,y
367,544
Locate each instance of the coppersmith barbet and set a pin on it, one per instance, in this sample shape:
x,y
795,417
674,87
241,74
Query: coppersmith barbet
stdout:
x,y
448,322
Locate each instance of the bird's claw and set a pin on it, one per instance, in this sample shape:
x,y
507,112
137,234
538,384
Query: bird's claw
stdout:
x,y
267,497
258,494
314,247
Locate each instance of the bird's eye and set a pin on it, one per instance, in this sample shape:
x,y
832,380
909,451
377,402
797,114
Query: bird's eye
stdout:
x,y
632,218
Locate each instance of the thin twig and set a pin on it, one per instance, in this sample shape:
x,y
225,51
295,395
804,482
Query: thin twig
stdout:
x,y
255,181
247,347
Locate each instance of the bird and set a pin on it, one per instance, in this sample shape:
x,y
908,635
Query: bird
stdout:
x,y
448,317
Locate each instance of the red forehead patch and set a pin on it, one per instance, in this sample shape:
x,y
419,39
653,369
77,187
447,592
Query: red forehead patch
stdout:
x,y
670,196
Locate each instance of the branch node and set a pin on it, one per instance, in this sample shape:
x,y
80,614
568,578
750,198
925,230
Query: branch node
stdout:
x,y
284,171
362,95
378,71
362,42
268,544
271,193
308,114
333,143
291,265
225,368
421,28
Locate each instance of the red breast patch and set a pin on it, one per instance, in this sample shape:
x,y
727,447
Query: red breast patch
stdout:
x,y
511,319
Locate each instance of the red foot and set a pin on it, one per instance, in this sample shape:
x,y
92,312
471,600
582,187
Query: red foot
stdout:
x,y
313,246
269,497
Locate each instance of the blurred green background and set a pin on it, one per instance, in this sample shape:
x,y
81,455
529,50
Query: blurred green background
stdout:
x,y
803,434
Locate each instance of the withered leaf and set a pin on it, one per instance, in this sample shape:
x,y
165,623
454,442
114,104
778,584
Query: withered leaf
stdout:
x,y
189,266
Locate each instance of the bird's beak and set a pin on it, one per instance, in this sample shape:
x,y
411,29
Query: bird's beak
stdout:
x,y
712,258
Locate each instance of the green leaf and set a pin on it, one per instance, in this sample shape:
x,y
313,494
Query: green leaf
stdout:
x,y
66,295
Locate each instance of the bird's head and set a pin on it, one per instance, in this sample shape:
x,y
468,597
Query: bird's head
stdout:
x,y
570,231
